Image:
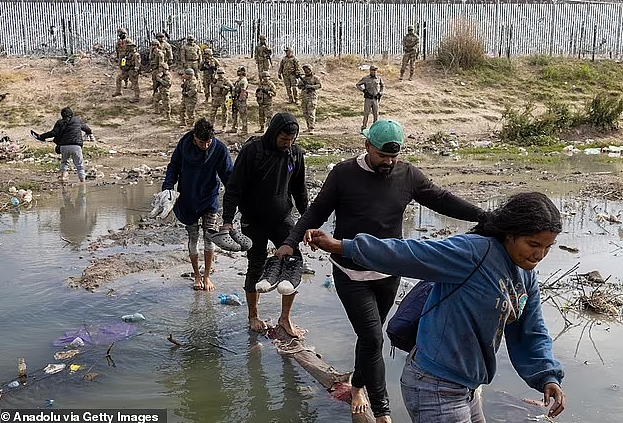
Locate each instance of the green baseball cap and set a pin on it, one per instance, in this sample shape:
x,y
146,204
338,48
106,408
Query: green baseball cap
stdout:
x,y
386,135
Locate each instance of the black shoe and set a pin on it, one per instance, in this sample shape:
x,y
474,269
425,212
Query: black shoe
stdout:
x,y
290,275
270,275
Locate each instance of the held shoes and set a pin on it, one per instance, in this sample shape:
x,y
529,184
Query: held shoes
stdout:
x,y
233,240
285,275
270,275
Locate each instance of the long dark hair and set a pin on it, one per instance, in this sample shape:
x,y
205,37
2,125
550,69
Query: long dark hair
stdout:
x,y
523,214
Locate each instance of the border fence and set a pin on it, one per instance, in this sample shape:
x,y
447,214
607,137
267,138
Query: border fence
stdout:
x,y
320,28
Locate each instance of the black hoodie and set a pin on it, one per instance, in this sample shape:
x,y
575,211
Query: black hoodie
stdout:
x,y
68,131
265,180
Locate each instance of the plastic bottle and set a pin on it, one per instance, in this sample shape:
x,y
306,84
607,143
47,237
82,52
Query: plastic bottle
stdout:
x,y
136,317
230,299
15,201
328,282
21,367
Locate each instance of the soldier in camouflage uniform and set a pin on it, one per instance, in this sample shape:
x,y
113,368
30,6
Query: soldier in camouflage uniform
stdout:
x,y
156,60
189,98
209,65
264,94
129,68
411,51
166,49
263,55
122,49
289,70
239,96
190,54
309,84
162,94
220,90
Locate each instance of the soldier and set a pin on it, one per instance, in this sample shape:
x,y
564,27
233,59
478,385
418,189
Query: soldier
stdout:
x,y
289,69
263,56
190,55
156,60
221,88
239,96
122,49
411,51
129,69
162,94
308,84
189,98
372,88
264,95
166,49
209,65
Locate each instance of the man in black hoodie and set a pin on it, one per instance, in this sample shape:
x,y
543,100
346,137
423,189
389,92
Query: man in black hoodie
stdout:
x,y
67,133
268,173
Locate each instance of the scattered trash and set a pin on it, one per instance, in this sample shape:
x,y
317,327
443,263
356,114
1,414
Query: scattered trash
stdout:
x,y
75,367
482,144
65,355
49,403
136,317
77,343
307,269
97,334
13,384
21,367
608,218
592,151
14,201
570,249
91,376
54,368
328,282
230,299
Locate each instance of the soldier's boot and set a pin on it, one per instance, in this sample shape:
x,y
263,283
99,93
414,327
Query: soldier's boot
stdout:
x,y
116,94
244,130
401,75
411,76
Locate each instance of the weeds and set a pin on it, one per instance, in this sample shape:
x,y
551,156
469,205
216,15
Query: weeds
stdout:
x,y
462,48
346,61
603,111
311,144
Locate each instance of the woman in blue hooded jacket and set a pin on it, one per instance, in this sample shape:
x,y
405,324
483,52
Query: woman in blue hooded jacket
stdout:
x,y
459,337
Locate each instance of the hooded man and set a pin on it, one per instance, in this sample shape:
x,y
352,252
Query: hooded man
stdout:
x,y
369,195
67,133
268,175
199,164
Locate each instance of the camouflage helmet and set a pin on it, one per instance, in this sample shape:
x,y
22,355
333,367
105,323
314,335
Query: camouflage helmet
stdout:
x,y
164,66
220,70
208,51
189,71
190,37
160,35
287,49
155,43
410,28
307,66
265,74
129,42
122,31
263,37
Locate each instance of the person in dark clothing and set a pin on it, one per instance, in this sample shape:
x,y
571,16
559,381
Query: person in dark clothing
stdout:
x,y
369,195
67,133
198,165
269,172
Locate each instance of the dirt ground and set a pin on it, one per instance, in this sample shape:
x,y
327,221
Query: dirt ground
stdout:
x,y
131,135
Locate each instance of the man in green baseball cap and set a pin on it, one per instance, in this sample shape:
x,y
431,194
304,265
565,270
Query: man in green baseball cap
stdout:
x,y
369,194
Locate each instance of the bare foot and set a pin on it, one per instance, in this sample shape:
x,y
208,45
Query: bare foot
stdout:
x,y
207,284
198,286
359,400
291,329
257,325
384,419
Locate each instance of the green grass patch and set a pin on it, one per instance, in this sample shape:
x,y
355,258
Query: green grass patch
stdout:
x,y
320,161
493,72
412,159
311,144
90,151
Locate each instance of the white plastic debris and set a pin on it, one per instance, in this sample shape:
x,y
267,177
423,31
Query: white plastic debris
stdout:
x,y
54,368
591,151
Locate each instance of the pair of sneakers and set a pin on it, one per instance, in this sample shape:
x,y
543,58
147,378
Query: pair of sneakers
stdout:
x,y
284,274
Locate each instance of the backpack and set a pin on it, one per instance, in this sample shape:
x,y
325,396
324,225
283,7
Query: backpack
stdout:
x,y
403,326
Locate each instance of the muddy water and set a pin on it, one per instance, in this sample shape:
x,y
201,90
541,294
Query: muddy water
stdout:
x,y
223,373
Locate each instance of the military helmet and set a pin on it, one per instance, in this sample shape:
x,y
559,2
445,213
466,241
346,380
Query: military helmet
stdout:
x,y
164,66
190,37
129,42
242,69
220,70
155,43
160,35
122,31
263,37
189,71
265,74
308,66
208,50
288,49
410,28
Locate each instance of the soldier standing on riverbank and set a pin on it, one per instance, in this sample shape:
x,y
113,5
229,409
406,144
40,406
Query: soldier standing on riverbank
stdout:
x,y
166,49
209,64
289,69
190,55
372,88
264,95
263,55
309,84
221,88
239,96
189,98
411,50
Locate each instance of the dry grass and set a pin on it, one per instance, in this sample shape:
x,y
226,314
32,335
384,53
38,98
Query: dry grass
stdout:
x,y
462,48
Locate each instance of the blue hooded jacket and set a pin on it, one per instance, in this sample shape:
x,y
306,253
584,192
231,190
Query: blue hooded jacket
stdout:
x,y
198,175
458,340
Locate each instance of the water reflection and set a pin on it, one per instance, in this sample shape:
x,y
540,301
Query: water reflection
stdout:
x,y
76,220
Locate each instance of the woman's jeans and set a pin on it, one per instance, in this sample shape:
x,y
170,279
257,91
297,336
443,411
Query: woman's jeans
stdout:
x,y
367,304
432,400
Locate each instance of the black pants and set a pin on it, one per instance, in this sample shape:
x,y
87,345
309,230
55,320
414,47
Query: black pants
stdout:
x,y
367,304
256,256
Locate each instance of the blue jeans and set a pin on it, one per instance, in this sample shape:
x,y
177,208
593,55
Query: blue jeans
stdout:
x,y
432,400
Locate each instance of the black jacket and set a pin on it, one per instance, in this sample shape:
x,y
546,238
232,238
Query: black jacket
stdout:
x,y
265,180
68,132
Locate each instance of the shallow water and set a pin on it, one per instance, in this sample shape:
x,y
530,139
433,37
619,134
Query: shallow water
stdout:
x,y
248,382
